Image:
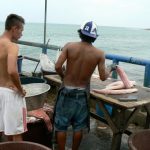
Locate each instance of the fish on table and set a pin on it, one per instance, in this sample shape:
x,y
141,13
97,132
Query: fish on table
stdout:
x,y
125,86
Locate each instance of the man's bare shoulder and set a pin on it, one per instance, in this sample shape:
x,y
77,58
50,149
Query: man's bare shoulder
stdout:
x,y
4,42
70,44
8,45
98,51
14,45
7,42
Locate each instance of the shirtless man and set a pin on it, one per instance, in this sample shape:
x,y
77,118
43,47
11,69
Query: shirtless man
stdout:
x,y
71,107
12,102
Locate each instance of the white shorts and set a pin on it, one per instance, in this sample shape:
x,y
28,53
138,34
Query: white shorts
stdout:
x,y
12,112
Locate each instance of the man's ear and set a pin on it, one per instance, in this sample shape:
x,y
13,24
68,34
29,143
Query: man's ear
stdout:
x,y
14,28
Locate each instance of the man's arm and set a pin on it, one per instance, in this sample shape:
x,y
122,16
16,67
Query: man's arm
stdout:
x,y
59,64
12,67
103,72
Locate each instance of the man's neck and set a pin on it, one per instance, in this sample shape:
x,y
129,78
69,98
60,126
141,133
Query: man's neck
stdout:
x,y
7,35
86,42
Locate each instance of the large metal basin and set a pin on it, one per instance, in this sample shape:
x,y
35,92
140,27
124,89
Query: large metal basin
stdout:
x,y
22,145
36,94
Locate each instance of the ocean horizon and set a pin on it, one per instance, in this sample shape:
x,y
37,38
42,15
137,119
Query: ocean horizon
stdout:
x,y
133,42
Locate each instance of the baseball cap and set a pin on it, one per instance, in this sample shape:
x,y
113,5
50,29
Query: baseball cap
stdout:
x,y
89,29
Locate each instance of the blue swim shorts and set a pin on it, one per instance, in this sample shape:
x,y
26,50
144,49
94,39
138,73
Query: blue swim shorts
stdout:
x,y
71,109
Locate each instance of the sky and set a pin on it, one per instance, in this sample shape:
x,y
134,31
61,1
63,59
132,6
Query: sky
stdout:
x,y
118,13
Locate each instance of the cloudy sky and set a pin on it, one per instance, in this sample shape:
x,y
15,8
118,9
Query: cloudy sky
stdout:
x,y
120,13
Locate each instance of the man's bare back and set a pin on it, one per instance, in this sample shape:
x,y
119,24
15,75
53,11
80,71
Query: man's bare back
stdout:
x,y
5,79
82,59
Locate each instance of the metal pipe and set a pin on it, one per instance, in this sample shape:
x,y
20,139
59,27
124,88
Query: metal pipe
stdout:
x,y
147,76
44,49
131,60
45,17
32,59
114,73
52,47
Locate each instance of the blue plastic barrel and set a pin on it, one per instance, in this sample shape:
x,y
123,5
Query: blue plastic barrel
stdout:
x,y
99,111
19,63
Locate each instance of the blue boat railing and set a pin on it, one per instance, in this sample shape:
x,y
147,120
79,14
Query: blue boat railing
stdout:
x,y
115,59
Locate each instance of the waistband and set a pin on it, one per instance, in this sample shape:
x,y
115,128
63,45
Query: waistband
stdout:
x,y
72,88
7,89
73,92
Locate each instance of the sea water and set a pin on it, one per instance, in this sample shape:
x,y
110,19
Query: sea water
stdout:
x,y
133,42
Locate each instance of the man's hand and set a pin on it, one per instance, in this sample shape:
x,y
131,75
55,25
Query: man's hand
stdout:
x,y
23,92
112,67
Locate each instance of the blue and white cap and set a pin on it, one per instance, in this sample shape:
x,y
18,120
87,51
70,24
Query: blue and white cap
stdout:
x,y
89,29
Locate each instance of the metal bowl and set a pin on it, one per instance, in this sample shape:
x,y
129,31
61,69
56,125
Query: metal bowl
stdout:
x,y
35,95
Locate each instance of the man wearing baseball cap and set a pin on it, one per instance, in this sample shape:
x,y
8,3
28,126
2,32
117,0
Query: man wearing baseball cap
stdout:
x,y
71,107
